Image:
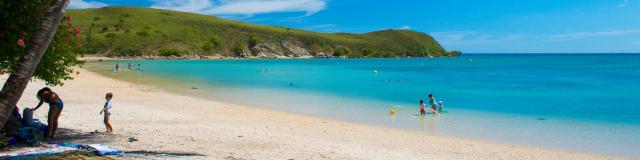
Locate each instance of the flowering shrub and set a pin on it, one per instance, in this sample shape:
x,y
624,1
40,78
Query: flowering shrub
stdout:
x,y
20,20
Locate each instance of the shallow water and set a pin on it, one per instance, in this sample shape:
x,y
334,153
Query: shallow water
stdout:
x,y
585,102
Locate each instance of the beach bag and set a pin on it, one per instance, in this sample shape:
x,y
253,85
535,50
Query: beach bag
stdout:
x,y
27,116
30,135
40,126
12,124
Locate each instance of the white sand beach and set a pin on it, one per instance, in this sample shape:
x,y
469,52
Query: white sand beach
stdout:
x,y
165,122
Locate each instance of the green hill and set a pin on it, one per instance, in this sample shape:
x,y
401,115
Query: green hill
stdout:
x,y
130,31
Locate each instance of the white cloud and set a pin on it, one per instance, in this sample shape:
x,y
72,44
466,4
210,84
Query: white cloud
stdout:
x,y
624,3
323,28
406,27
472,37
80,4
580,35
242,7
182,5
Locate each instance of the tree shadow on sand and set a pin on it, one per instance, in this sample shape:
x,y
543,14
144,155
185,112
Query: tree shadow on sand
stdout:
x,y
147,154
75,136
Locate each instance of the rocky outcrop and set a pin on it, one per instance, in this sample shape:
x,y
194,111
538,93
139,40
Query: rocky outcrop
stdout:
x,y
322,55
294,50
286,49
266,50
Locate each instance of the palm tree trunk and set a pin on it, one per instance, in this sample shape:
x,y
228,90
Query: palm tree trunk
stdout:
x,y
18,80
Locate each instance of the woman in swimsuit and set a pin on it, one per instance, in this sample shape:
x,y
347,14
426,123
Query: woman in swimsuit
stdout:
x,y
55,108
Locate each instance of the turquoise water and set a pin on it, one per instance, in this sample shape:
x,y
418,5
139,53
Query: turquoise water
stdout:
x,y
584,102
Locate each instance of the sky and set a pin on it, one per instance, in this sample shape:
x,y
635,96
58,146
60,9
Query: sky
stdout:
x,y
470,26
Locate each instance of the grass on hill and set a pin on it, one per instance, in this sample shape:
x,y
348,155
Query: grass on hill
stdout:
x,y
131,31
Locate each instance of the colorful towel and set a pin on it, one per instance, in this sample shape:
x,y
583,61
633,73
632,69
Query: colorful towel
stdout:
x,y
102,149
60,151
33,152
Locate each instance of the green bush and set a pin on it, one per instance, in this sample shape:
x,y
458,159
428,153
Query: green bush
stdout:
x,y
215,41
239,47
142,33
367,52
253,40
207,46
129,51
166,52
341,51
356,55
104,29
110,35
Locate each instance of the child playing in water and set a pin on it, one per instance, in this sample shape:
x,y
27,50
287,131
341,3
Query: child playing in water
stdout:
x,y
107,112
432,102
422,108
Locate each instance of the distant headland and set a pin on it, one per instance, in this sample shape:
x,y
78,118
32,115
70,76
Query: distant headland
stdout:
x,y
155,33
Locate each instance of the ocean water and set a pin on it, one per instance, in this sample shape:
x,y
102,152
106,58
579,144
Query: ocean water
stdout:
x,y
581,102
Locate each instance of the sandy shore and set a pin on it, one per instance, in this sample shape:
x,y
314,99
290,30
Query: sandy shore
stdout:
x,y
167,123
212,57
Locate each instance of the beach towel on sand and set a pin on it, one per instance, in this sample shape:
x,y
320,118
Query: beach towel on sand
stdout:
x,y
102,149
35,152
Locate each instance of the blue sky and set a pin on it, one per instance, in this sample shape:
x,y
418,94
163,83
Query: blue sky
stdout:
x,y
473,26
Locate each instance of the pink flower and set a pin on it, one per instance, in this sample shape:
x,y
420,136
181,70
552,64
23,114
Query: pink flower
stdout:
x,y
21,42
77,32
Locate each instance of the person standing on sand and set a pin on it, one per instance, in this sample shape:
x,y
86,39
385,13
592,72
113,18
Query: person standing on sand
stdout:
x,y
422,108
107,112
55,108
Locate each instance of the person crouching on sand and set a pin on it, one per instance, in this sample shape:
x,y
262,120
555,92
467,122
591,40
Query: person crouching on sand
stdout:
x,y
55,108
107,112
422,108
